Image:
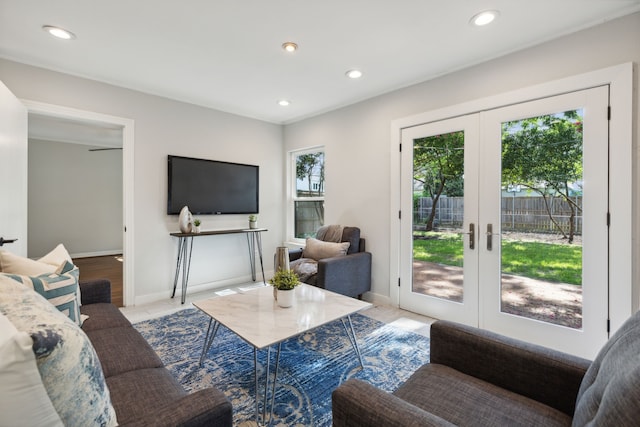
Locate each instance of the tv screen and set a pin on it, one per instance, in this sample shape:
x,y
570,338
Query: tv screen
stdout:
x,y
211,187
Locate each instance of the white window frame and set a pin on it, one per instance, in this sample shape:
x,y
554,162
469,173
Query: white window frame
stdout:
x,y
292,191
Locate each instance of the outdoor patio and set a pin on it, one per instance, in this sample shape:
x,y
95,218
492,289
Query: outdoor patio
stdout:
x,y
556,303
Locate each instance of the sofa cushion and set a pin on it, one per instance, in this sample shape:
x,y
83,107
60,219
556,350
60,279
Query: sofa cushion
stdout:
x,y
609,393
122,350
60,288
143,391
317,249
102,316
23,399
465,400
68,365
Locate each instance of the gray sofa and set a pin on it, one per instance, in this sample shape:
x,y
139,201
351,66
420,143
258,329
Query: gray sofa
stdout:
x,y
478,378
143,392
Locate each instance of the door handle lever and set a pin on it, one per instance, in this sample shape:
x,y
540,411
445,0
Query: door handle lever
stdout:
x,y
3,241
472,236
490,235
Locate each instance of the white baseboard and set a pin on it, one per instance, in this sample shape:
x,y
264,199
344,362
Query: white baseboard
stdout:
x,y
201,287
97,253
377,299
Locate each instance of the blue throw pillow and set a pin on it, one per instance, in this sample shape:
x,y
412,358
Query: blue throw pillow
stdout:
x,y
59,288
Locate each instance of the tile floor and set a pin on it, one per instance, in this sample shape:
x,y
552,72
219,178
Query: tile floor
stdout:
x,y
384,313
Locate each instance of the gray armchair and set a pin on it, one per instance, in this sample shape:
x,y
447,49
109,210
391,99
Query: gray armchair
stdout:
x,y
349,274
478,378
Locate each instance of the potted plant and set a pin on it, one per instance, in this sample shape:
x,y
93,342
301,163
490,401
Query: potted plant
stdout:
x,y
285,281
253,221
196,224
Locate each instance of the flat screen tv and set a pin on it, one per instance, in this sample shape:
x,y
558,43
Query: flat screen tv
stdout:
x,y
211,187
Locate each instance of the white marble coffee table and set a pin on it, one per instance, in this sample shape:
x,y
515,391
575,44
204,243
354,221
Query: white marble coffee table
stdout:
x,y
256,318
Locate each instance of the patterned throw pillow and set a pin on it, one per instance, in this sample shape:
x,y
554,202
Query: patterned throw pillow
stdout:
x,y
23,399
68,364
59,288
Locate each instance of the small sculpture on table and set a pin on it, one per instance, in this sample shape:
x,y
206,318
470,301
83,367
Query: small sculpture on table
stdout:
x,y
185,220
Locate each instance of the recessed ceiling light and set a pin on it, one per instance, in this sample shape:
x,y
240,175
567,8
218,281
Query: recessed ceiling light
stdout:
x,y
284,103
354,74
484,18
58,32
290,47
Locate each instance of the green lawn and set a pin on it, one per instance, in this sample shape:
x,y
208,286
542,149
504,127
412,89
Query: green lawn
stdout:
x,y
547,261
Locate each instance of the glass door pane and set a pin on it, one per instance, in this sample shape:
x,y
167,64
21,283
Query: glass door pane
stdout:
x,y
438,217
542,182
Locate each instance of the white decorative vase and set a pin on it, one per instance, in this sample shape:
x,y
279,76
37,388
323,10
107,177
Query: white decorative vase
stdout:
x,y
286,298
185,220
196,229
253,224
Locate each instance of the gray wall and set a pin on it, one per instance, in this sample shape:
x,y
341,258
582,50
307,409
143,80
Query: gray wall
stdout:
x,y
163,127
80,192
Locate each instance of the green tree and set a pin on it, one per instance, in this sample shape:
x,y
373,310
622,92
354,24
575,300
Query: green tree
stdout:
x,y
308,166
544,154
438,166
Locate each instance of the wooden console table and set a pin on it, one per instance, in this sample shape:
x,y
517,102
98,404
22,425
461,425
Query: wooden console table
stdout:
x,y
185,247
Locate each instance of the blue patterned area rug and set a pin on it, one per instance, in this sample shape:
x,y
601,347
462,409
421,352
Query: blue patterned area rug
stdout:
x,y
312,365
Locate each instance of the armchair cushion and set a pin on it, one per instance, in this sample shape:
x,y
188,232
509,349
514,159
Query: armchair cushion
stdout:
x,y
317,249
539,373
465,400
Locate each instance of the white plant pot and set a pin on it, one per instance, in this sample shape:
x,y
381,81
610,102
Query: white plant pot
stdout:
x,y
286,298
253,224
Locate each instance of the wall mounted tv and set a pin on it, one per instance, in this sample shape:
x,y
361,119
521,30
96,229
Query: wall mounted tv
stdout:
x,y
211,187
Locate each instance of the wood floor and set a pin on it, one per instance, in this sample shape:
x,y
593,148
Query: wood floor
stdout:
x,y
104,267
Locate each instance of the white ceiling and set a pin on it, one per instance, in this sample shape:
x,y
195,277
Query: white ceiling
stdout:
x,y
227,55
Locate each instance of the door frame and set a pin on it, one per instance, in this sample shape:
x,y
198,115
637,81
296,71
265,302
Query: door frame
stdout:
x,y
624,287
61,112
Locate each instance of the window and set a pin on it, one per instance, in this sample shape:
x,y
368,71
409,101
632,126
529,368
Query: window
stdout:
x,y
308,192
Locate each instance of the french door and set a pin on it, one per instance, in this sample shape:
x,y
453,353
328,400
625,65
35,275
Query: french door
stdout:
x,y
509,227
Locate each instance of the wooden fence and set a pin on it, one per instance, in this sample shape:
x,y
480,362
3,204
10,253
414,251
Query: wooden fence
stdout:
x,y
524,214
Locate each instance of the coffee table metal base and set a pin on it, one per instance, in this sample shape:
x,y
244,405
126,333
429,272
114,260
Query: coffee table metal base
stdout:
x,y
212,330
